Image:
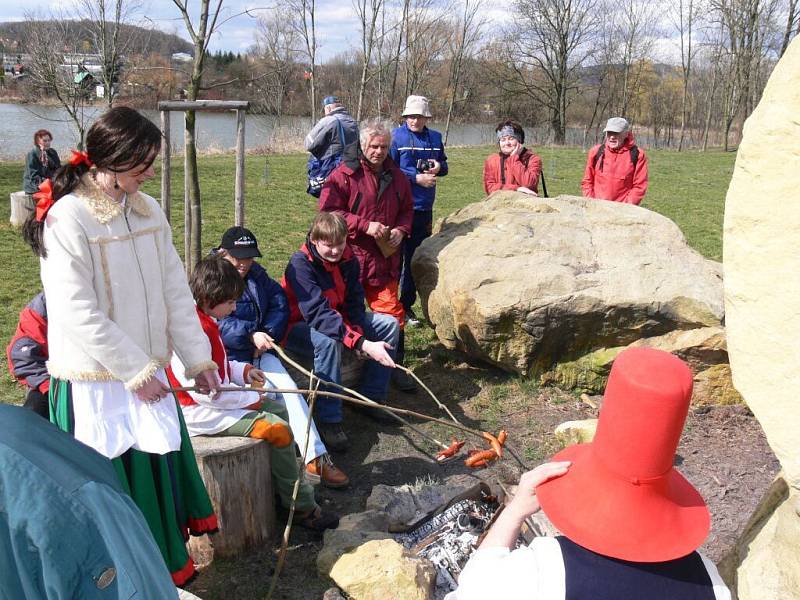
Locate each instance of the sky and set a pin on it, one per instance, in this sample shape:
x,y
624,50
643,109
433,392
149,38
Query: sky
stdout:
x,y
337,27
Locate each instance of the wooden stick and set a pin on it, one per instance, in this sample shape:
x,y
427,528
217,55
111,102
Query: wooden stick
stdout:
x,y
312,397
372,403
430,393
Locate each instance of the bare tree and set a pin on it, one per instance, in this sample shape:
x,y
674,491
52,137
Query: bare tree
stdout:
x,y
302,15
103,21
549,44
49,73
200,34
367,12
687,11
277,46
426,38
467,35
792,25
637,22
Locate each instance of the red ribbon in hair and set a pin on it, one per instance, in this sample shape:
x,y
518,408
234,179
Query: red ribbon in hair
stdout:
x,y
79,157
44,199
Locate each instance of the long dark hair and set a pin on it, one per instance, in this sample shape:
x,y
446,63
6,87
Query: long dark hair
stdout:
x,y
118,141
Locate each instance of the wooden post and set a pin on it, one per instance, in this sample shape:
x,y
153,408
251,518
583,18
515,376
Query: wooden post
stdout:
x,y
187,210
166,188
239,190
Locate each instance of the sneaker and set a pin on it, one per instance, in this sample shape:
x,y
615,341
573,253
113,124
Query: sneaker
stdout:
x,y
404,382
323,470
411,319
333,436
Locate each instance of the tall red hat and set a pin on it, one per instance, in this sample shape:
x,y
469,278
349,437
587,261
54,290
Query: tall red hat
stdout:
x,y
622,497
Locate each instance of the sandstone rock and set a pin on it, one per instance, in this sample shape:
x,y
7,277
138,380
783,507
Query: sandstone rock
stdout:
x,y
384,570
397,502
576,432
762,297
369,520
715,386
525,282
338,542
587,374
701,348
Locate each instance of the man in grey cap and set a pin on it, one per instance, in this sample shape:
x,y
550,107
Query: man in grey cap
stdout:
x,y
616,170
332,140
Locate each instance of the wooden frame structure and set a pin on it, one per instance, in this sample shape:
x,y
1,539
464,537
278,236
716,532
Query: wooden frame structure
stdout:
x,y
240,106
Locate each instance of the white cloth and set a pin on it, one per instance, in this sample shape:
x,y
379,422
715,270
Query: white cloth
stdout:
x,y
215,413
535,572
296,406
111,419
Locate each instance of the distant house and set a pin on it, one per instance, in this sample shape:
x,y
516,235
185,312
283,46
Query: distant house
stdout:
x,y
182,57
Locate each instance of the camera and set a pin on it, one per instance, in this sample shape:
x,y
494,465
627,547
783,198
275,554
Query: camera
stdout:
x,y
424,165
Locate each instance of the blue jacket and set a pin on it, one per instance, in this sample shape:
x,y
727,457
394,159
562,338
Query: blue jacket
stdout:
x,y
67,528
262,307
407,148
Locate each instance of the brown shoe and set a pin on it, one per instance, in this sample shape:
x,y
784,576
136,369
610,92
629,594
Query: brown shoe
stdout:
x,y
323,470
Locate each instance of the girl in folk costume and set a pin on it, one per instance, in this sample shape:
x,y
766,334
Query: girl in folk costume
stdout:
x,y
119,306
630,522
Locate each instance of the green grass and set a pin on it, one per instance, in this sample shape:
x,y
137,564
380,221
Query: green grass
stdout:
x,y
689,188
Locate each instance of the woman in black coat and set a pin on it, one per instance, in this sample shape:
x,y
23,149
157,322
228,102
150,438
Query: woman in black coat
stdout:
x,y
41,162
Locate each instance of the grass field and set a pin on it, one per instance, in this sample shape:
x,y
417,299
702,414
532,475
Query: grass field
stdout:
x,y
688,188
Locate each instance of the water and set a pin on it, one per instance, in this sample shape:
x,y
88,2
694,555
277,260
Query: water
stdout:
x,y
215,131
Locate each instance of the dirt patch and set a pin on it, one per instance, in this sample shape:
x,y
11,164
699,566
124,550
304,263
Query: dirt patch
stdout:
x,y
723,452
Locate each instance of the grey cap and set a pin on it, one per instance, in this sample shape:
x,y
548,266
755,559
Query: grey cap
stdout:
x,y
617,125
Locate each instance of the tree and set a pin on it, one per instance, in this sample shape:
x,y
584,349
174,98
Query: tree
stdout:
x,y
367,12
302,16
549,44
200,36
687,11
277,46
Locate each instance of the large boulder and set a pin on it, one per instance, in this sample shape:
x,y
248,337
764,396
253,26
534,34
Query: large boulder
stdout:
x,y
762,297
525,282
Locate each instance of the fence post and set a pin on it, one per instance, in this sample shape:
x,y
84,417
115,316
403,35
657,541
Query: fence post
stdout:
x,y
166,187
239,190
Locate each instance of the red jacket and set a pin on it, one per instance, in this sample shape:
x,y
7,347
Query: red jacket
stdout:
x,y
613,177
354,192
27,351
501,172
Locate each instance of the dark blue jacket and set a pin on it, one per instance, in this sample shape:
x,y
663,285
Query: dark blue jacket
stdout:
x,y
328,296
407,148
262,307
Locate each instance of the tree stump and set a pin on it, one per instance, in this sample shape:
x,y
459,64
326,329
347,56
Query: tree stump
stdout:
x,y
236,472
21,207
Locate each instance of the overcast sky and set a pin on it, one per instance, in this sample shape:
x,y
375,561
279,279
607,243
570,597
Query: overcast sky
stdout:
x,y
337,28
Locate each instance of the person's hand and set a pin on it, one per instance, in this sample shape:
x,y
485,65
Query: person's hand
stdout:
x,y
437,166
396,236
377,230
525,502
207,382
427,180
262,342
525,190
377,351
256,377
517,149
151,391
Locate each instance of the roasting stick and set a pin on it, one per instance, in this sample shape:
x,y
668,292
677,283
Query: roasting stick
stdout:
x,y
372,403
312,397
430,393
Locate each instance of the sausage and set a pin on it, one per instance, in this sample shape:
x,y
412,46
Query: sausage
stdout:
x,y
502,437
450,451
484,455
496,445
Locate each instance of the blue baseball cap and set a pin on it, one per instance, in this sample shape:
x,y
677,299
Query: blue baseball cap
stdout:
x,y
329,100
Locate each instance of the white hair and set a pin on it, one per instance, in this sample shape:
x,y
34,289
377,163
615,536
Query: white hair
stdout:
x,y
374,127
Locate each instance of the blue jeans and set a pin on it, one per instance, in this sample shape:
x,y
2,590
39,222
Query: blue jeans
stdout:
x,y
327,353
420,230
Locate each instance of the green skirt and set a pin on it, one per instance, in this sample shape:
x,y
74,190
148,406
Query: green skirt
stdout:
x,y
167,488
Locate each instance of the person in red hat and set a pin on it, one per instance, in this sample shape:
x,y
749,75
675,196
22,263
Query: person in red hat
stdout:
x,y
630,522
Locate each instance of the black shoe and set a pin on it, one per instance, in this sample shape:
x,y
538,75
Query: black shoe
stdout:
x,y
333,436
404,382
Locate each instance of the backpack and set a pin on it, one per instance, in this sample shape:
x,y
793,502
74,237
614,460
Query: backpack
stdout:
x,y
634,152
318,170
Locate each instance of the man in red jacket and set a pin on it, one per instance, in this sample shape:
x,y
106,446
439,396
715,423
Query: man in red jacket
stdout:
x,y
373,196
616,169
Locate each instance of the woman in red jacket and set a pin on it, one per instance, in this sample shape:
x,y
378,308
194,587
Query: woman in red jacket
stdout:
x,y
514,167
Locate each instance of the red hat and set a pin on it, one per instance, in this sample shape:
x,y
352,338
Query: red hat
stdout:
x,y
621,496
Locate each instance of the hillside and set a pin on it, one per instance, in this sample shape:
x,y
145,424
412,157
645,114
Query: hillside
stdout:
x,y
13,35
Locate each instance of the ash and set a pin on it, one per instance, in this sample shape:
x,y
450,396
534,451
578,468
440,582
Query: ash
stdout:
x,y
449,539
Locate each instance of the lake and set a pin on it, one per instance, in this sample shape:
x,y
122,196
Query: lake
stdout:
x,y
215,131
